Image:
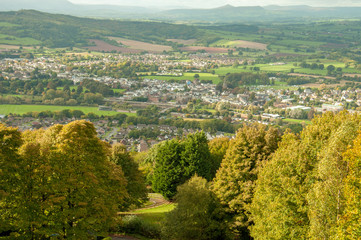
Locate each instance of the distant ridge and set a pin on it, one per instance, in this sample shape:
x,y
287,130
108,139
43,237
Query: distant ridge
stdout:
x,y
222,14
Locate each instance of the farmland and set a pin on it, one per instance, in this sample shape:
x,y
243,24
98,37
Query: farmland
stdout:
x,y
241,44
102,46
205,49
183,41
143,46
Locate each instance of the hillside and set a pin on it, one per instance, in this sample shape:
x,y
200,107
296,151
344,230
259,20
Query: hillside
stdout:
x,y
230,13
55,30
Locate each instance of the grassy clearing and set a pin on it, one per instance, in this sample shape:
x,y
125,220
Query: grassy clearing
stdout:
x,y
295,43
297,121
21,109
119,90
156,214
6,24
11,40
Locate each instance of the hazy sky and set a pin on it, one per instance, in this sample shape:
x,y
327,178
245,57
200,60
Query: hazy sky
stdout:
x,y
217,3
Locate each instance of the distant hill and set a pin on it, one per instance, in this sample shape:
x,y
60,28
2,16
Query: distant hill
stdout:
x,y
66,7
57,30
229,13
11,5
225,14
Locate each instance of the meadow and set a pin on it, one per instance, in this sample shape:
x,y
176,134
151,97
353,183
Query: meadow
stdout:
x,y
11,40
302,121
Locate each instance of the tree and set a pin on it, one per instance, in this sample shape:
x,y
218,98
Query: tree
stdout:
x,y
135,181
279,207
10,141
198,214
177,161
235,180
196,157
349,222
218,148
326,196
330,69
65,186
168,171
299,193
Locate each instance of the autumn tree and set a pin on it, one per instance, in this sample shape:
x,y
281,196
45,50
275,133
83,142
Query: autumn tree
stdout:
x,y
279,207
10,141
218,148
325,197
349,225
64,184
235,180
299,192
198,214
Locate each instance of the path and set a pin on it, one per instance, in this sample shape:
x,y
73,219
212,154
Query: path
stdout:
x,y
157,200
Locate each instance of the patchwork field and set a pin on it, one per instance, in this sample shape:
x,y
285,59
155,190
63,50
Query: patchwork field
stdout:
x,y
183,41
247,44
11,40
12,47
206,49
142,46
106,47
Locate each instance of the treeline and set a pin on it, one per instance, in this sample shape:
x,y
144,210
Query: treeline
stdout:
x,y
212,125
64,183
31,87
234,80
37,86
56,92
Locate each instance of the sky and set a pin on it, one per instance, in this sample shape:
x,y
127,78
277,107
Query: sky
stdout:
x,y
218,3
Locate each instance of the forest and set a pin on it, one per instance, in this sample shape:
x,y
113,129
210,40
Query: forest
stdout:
x,y
64,182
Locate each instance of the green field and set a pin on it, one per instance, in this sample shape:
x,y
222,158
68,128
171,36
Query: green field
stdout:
x,y
21,109
297,121
119,90
6,24
11,40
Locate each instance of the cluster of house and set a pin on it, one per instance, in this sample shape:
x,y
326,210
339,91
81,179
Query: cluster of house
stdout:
x,y
108,131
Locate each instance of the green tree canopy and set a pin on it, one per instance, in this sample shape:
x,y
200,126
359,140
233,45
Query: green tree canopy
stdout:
x,y
198,214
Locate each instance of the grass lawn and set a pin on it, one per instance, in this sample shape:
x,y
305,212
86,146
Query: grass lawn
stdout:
x,y
21,109
156,214
119,90
297,120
